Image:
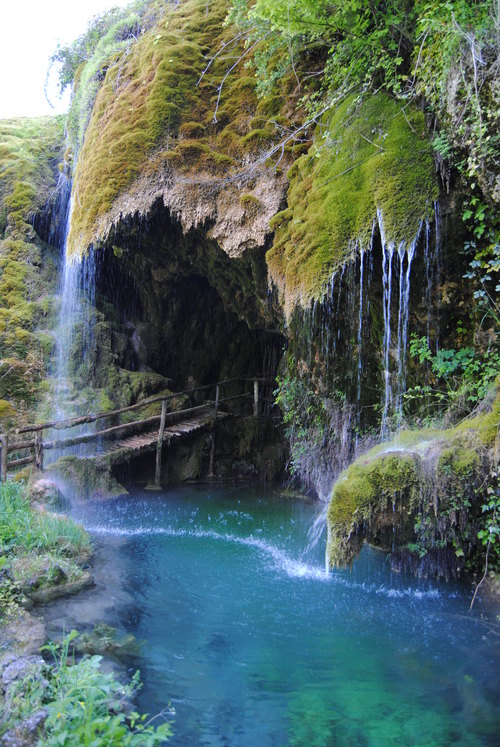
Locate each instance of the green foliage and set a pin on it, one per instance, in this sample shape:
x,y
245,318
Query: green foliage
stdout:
x,y
363,46
85,705
489,534
304,416
462,378
484,267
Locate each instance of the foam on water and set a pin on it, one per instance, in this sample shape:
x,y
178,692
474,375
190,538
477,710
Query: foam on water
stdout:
x,y
281,560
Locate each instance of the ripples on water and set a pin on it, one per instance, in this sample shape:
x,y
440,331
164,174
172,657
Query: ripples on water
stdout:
x,y
253,643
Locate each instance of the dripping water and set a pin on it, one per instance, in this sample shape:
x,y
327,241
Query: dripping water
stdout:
x,y
387,254
360,326
403,316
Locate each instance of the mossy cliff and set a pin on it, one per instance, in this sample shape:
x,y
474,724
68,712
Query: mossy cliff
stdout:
x,y
419,497
369,155
30,150
171,121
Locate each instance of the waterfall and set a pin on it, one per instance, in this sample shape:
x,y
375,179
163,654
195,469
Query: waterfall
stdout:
x,y
360,325
73,333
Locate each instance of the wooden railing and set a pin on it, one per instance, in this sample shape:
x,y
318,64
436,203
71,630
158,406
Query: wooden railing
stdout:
x,y
11,442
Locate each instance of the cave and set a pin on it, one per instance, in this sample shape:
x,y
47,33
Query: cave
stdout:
x,y
181,307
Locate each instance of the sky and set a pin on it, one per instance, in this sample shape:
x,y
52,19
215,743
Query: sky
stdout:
x,y
31,30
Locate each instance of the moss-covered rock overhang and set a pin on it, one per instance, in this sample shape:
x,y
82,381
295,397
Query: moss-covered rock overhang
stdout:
x,y
171,121
418,496
372,154
180,306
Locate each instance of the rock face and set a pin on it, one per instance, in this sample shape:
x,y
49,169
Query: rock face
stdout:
x,y
238,211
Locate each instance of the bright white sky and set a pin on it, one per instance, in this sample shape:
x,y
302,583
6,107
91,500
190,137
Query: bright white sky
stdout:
x,y
31,30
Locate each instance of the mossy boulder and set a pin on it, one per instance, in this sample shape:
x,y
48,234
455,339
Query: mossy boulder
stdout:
x,y
45,577
85,479
419,497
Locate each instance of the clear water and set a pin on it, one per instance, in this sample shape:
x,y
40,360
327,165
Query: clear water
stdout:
x,y
252,643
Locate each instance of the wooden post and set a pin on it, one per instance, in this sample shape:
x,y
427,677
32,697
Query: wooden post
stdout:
x,y
255,398
39,451
159,445
212,447
4,439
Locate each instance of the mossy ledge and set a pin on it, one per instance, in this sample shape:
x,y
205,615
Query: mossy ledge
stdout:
x,y
418,497
368,156
172,122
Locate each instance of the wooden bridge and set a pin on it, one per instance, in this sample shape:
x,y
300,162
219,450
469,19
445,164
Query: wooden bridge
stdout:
x,y
26,445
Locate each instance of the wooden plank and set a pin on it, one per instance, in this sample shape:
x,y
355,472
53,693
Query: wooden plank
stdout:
x,y
20,462
84,419
4,439
38,452
18,445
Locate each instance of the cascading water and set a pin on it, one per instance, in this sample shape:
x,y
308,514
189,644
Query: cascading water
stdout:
x,y
387,255
73,330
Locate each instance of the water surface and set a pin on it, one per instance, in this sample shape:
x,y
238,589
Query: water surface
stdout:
x,y
254,644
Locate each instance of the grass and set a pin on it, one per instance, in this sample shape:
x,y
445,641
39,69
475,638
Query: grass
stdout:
x,y
83,704
24,530
38,550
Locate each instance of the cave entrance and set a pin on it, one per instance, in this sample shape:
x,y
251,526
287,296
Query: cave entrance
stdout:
x,y
180,307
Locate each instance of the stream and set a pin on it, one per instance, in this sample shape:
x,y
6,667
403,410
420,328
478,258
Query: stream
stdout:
x,y
252,643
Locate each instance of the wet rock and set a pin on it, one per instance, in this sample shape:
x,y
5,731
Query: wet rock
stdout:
x,y
14,668
46,492
21,632
27,733
62,589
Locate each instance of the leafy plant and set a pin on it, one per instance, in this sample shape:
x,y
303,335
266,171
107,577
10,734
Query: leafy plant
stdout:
x,y
84,705
462,377
489,534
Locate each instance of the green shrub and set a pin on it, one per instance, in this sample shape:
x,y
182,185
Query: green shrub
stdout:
x,y
85,706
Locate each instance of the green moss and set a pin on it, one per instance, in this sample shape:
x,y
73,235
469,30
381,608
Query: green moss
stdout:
x,y
155,110
369,487
36,572
428,485
459,463
366,156
249,200
192,130
29,151
86,479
